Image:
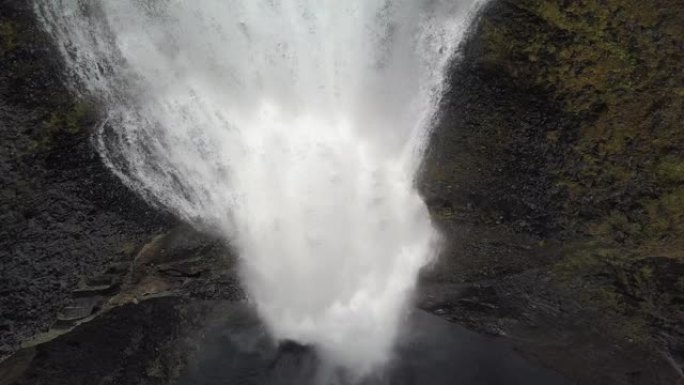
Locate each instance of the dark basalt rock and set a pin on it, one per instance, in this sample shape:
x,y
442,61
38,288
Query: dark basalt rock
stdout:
x,y
554,173
64,215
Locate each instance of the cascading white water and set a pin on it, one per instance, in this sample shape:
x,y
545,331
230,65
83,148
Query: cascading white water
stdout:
x,y
294,127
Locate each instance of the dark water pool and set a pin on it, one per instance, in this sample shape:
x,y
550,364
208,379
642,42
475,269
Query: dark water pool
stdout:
x,y
237,351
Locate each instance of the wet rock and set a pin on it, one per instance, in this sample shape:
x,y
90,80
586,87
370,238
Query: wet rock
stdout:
x,y
89,291
182,262
118,269
80,309
136,348
74,313
188,269
13,368
102,280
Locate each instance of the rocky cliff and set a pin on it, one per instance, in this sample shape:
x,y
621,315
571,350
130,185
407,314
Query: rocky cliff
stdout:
x,y
63,214
557,169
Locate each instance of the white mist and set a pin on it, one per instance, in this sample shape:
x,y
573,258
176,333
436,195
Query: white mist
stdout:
x,y
294,127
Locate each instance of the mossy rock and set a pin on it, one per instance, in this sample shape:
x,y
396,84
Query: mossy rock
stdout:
x,y
616,65
9,36
602,172
78,118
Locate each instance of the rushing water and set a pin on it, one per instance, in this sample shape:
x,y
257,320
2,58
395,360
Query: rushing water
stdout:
x,y
293,127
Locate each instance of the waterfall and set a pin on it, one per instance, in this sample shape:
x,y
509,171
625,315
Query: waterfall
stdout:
x,y
294,128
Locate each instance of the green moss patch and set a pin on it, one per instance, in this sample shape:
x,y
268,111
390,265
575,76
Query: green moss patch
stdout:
x,y
73,120
671,169
9,36
615,68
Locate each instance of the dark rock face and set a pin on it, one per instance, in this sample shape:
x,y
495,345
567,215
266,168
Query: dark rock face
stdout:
x,y
141,345
63,214
141,323
555,174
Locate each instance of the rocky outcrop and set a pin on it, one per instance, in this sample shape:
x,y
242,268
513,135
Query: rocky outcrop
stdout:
x,y
64,215
138,319
555,172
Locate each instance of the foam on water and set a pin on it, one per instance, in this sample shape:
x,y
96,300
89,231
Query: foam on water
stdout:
x,y
293,127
